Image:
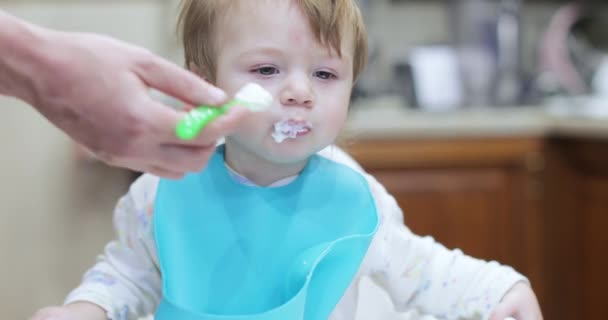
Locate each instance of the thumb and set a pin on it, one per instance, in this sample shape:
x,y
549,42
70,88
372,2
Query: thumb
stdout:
x,y
177,82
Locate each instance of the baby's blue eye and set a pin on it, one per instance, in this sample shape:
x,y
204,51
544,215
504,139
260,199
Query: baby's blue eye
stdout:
x,y
266,71
325,75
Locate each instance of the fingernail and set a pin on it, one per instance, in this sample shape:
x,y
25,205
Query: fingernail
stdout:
x,y
218,96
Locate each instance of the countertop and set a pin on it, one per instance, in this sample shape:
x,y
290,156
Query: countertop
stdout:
x,y
386,120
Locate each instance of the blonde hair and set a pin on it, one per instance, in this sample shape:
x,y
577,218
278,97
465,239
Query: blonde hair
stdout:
x,y
330,20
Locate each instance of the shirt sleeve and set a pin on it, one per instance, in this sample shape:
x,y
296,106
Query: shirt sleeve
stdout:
x,y
126,280
421,274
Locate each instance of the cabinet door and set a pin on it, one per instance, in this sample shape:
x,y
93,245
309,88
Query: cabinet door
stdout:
x,y
595,248
483,196
461,208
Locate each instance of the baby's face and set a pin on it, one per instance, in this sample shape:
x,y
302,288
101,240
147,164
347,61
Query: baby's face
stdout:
x,y
273,45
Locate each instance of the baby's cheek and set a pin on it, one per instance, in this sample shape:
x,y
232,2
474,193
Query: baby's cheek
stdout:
x,y
253,126
334,121
253,131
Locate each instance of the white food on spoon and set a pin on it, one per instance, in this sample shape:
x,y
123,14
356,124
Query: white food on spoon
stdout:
x,y
254,97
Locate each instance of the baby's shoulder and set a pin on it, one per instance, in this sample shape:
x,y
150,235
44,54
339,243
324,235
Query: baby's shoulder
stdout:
x,y
143,190
386,205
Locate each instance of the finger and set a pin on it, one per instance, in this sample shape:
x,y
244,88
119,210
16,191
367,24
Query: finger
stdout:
x,y
164,173
163,120
187,107
216,129
223,126
177,82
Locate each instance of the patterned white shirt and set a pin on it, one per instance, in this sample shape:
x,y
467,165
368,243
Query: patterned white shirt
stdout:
x,y
416,272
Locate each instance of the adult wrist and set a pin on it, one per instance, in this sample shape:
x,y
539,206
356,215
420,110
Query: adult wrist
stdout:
x,y
22,57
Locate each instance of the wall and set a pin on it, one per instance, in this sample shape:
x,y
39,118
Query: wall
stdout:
x,y
55,212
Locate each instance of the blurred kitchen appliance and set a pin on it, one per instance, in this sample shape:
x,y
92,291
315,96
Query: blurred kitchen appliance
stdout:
x,y
573,49
487,38
436,79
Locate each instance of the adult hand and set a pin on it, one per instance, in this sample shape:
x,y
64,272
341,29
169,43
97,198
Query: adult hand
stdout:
x,y
96,89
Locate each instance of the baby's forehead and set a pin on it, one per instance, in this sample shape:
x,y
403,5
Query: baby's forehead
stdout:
x,y
248,23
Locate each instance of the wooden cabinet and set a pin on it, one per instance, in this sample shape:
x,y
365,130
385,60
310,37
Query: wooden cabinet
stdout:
x,y
576,228
539,204
458,207
595,248
479,195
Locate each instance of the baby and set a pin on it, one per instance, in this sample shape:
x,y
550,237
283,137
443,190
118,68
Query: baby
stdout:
x,y
280,225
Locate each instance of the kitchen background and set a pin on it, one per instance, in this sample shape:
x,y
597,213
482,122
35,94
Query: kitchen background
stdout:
x,y
484,117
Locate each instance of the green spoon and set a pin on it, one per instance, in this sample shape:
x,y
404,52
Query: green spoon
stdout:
x,y
252,96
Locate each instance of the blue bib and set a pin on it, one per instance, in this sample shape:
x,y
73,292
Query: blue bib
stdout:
x,y
232,251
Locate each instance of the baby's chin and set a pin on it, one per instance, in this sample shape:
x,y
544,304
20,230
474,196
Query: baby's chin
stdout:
x,y
289,153
295,150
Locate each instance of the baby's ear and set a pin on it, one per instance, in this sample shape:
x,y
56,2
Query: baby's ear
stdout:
x,y
201,72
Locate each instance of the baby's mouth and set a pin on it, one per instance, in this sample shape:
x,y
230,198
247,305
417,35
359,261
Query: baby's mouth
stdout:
x,y
290,129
